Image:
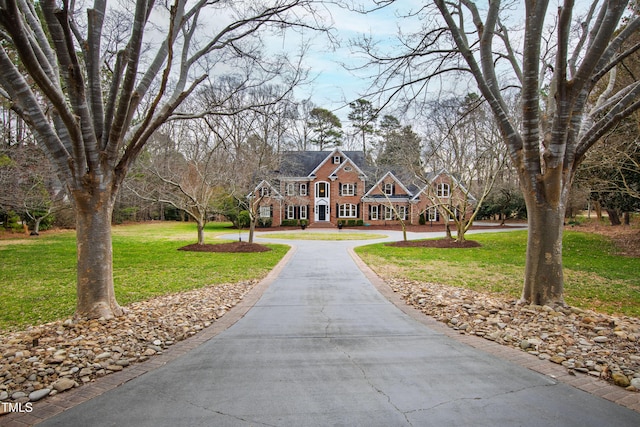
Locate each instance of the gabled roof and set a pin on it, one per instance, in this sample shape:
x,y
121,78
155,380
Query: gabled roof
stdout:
x,y
344,163
264,183
369,194
305,163
434,176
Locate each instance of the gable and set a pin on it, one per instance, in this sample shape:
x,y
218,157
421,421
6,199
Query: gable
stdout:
x,y
389,186
308,163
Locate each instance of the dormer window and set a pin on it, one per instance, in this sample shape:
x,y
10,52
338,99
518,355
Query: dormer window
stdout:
x,y
388,189
443,190
337,160
264,192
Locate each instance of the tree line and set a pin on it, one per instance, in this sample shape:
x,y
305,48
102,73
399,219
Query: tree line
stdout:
x,y
199,108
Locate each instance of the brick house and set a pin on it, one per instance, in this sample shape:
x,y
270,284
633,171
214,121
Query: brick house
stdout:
x,y
328,187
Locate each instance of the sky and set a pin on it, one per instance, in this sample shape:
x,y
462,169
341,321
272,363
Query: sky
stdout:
x,y
334,86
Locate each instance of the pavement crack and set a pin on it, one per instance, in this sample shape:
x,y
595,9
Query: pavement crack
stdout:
x,y
235,417
489,399
328,325
372,385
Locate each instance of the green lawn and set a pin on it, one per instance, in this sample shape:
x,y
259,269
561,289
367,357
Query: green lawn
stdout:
x,y
595,277
311,235
38,275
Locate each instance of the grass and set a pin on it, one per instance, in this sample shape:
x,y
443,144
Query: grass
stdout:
x,y
310,235
38,275
595,277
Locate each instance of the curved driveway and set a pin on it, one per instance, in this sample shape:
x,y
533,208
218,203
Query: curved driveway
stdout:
x,y
322,347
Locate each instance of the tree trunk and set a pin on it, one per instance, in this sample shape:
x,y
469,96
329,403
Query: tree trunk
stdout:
x,y
201,225
626,218
460,230
252,229
543,281
96,297
447,230
36,225
614,218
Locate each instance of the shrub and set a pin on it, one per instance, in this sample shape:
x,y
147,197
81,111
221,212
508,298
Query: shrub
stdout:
x,y
265,222
244,219
423,219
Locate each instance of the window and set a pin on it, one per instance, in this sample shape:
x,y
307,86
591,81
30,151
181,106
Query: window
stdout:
x,y
373,212
348,210
443,190
433,215
303,212
291,189
303,189
348,168
265,212
347,189
337,160
388,188
402,212
388,213
321,189
264,192
291,212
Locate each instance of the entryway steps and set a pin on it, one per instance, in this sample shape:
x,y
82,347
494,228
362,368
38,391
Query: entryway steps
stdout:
x,y
322,224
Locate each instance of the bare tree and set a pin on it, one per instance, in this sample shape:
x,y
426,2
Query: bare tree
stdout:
x,y
30,187
556,68
93,107
464,141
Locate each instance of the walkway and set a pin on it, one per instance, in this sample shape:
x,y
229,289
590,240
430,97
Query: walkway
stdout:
x,y
322,347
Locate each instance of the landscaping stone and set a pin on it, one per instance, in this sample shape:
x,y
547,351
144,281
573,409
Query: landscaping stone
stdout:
x,y
582,341
39,394
64,384
62,355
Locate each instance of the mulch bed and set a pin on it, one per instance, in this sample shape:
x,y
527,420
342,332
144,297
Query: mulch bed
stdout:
x,y
438,243
226,247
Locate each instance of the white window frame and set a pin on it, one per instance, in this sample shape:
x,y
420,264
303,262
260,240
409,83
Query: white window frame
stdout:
x,y
264,191
303,212
348,189
291,212
443,190
291,189
303,189
388,213
265,212
337,160
374,213
433,214
402,212
348,210
388,188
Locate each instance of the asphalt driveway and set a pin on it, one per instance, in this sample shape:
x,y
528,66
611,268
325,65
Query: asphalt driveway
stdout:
x,y
322,347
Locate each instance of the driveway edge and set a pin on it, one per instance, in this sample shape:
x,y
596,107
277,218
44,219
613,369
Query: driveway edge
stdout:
x,y
586,383
61,402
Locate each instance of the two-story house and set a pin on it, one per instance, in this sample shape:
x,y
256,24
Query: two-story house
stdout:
x,y
328,187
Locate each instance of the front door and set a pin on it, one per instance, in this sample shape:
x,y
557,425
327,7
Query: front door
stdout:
x,y
322,199
322,213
